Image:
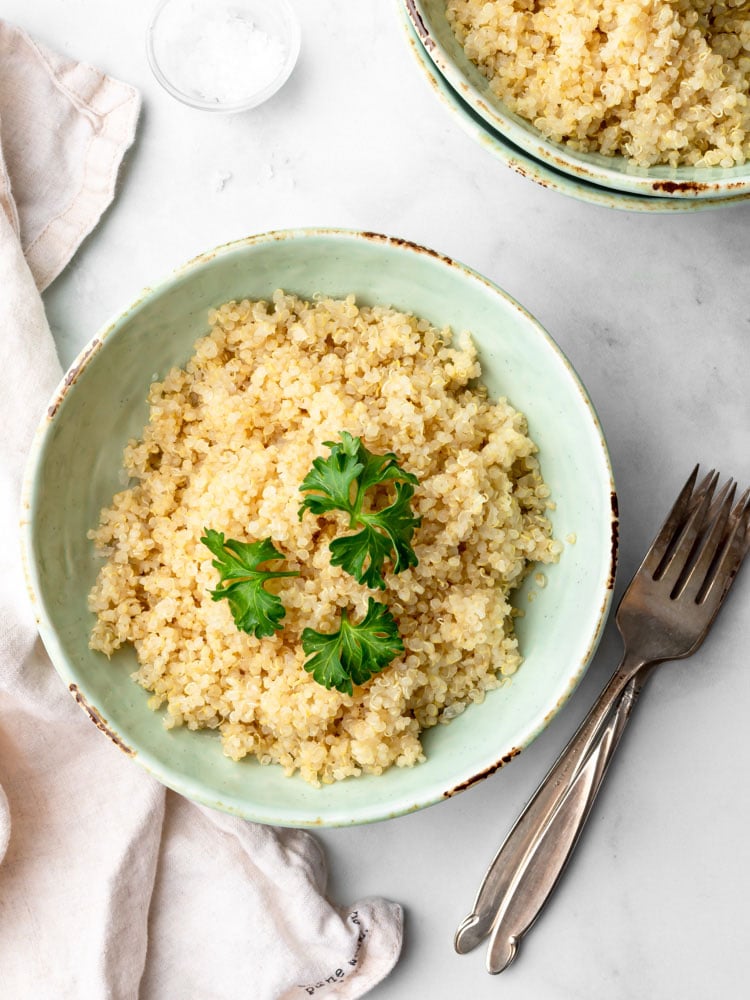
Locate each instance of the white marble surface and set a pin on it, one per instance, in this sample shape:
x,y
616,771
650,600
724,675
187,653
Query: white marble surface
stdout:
x,y
653,311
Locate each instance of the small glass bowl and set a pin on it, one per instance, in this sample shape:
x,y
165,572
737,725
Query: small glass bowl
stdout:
x,y
182,32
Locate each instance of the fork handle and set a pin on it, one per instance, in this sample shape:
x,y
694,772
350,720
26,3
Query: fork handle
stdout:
x,y
504,870
534,877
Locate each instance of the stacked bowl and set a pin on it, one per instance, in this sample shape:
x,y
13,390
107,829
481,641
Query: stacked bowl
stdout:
x,y
610,180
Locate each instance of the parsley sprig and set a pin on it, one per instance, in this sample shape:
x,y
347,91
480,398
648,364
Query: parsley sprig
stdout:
x,y
353,653
254,610
342,482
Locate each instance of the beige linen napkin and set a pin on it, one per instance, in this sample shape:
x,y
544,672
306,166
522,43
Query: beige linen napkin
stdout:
x,y
110,886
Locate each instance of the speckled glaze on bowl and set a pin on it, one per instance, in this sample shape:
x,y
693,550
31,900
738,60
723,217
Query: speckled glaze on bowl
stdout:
x,y
74,469
537,171
614,172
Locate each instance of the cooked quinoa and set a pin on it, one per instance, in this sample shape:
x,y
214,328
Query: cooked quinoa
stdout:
x,y
230,438
658,81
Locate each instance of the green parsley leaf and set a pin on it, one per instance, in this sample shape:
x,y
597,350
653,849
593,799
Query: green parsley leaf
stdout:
x,y
254,610
333,477
355,652
341,482
384,532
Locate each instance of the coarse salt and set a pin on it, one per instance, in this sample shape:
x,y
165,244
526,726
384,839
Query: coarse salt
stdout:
x,y
215,52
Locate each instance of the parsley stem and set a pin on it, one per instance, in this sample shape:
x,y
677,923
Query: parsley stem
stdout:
x,y
253,577
356,508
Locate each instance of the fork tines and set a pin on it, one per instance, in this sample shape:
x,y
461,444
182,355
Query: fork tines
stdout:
x,y
700,546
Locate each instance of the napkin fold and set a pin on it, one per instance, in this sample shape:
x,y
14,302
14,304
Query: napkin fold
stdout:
x,y
111,886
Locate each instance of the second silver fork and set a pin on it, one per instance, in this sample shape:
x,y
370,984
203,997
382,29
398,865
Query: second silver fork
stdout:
x,y
665,614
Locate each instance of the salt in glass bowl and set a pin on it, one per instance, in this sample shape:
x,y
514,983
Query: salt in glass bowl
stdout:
x,y
223,55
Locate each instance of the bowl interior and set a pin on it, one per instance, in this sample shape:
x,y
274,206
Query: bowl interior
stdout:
x,y
431,24
75,469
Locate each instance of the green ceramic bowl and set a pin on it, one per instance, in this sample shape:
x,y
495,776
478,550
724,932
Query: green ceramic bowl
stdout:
x,y
74,470
544,174
614,172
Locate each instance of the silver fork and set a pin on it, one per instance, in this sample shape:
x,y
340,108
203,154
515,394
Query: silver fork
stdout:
x,y
665,614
